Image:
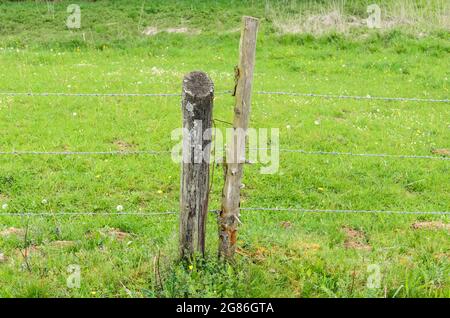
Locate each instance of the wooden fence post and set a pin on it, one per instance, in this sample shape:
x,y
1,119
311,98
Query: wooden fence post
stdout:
x,y
229,214
197,105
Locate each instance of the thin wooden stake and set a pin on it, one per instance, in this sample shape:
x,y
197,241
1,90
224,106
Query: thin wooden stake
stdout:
x,y
229,214
197,105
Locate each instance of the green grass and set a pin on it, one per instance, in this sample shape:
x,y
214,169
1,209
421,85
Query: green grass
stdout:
x,y
306,257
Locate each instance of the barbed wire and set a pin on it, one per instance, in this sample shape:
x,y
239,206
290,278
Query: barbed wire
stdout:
x,y
32,94
342,211
46,94
53,214
73,153
328,96
156,152
333,96
337,153
274,209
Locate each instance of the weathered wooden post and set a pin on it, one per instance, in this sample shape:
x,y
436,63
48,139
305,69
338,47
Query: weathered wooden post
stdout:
x,y
197,105
229,214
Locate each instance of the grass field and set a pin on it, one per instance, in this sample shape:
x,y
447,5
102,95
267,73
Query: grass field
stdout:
x,y
281,254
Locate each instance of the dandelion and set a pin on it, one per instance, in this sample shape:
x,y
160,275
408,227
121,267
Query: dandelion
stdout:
x,y
119,208
288,126
74,114
159,191
317,122
4,206
191,267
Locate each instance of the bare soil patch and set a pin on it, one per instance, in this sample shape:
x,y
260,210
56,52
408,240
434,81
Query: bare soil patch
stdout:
x,y
123,145
115,233
286,224
355,239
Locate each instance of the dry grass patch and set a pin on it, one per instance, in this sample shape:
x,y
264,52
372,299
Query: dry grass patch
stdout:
x,y
310,18
355,239
152,31
62,244
286,224
114,233
442,152
29,251
294,249
3,258
123,145
431,225
12,231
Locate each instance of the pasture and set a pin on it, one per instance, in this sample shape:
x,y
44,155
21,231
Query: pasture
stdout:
x,y
281,253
